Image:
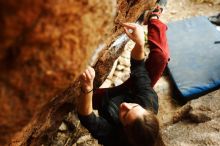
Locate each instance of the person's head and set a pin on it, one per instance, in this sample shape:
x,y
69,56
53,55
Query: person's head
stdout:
x,y
140,125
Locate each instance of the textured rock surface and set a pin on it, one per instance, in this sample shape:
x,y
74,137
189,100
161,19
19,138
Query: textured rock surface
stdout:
x,y
45,45
74,133
196,123
49,52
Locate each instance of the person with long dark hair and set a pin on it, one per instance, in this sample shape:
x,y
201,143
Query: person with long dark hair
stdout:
x,y
127,113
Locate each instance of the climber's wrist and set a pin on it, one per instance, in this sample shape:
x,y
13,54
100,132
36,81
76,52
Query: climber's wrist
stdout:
x,y
87,90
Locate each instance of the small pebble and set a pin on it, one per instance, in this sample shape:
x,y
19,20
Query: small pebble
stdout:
x,y
63,127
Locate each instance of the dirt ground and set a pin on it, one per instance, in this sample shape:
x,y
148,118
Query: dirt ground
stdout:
x,y
182,9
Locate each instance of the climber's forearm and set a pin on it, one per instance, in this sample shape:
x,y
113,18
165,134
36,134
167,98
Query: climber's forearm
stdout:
x,y
137,52
85,101
85,104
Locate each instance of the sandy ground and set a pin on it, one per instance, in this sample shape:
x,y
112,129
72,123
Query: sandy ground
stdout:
x,y
182,9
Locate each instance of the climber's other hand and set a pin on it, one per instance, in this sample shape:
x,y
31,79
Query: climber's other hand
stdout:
x,y
87,79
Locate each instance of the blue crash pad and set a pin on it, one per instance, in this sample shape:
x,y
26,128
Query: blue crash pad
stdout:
x,y
195,57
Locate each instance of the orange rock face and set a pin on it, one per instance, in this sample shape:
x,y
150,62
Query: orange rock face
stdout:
x,y
45,45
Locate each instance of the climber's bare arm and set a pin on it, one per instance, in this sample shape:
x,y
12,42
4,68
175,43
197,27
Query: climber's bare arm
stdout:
x,y
136,33
85,102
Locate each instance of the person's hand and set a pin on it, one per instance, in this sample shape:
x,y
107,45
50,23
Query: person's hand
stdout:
x,y
135,32
87,79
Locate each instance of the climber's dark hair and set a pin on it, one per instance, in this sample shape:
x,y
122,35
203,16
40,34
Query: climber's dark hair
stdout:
x,y
144,131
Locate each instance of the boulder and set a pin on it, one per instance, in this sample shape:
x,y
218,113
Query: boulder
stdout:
x,y
45,46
